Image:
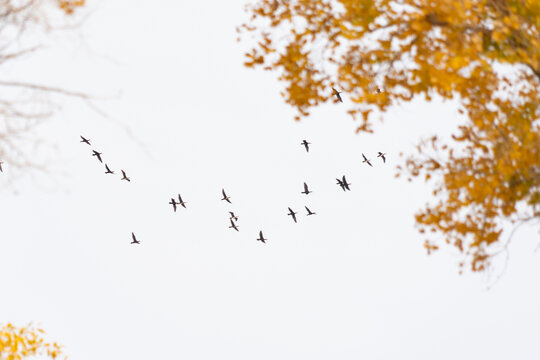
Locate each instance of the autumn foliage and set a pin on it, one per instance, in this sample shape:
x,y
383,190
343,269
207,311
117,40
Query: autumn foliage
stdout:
x,y
70,5
485,54
25,342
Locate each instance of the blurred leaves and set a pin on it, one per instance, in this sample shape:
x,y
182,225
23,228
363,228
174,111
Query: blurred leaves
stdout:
x,y
25,342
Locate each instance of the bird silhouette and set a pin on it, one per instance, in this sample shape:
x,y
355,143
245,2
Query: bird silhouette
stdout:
x,y
233,216
84,140
1,170
124,176
108,170
306,145
97,154
381,155
366,160
345,184
309,212
225,197
337,93
261,237
173,203
340,183
233,225
293,214
181,202
306,190
134,241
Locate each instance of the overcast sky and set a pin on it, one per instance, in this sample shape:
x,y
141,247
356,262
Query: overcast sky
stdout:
x,y
352,282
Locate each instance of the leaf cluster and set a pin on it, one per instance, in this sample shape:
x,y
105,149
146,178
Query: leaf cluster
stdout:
x,y
483,53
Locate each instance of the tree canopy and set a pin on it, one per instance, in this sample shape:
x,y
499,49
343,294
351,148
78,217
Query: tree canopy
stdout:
x,y
485,54
25,342
23,104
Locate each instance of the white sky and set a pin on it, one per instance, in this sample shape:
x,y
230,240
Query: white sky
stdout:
x,y
352,282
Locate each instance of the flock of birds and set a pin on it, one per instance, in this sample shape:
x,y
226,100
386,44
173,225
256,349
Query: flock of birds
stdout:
x,y
233,219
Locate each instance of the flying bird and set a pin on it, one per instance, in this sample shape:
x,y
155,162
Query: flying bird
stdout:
x,y
306,145
1,162
233,216
124,176
335,92
233,225
345,184
173,203
97,154
366,160
261,237
306,190
293,214
225,197
84,140
134,241
381,155
181,202
340,183
309,212
108,170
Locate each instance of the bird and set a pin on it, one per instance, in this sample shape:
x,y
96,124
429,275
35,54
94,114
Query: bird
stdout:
x,y
306,190
366,160
345,184
340,183
97,154
309,212
306,144
1,170
381,155
335,92
233,216
293,214
261,237
379,90
124,176
233,225
108,170
181,202
173,203
135,241
84,140
225,197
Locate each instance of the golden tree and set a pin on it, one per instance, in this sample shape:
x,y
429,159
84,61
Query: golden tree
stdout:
x,y
25,342
485,54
